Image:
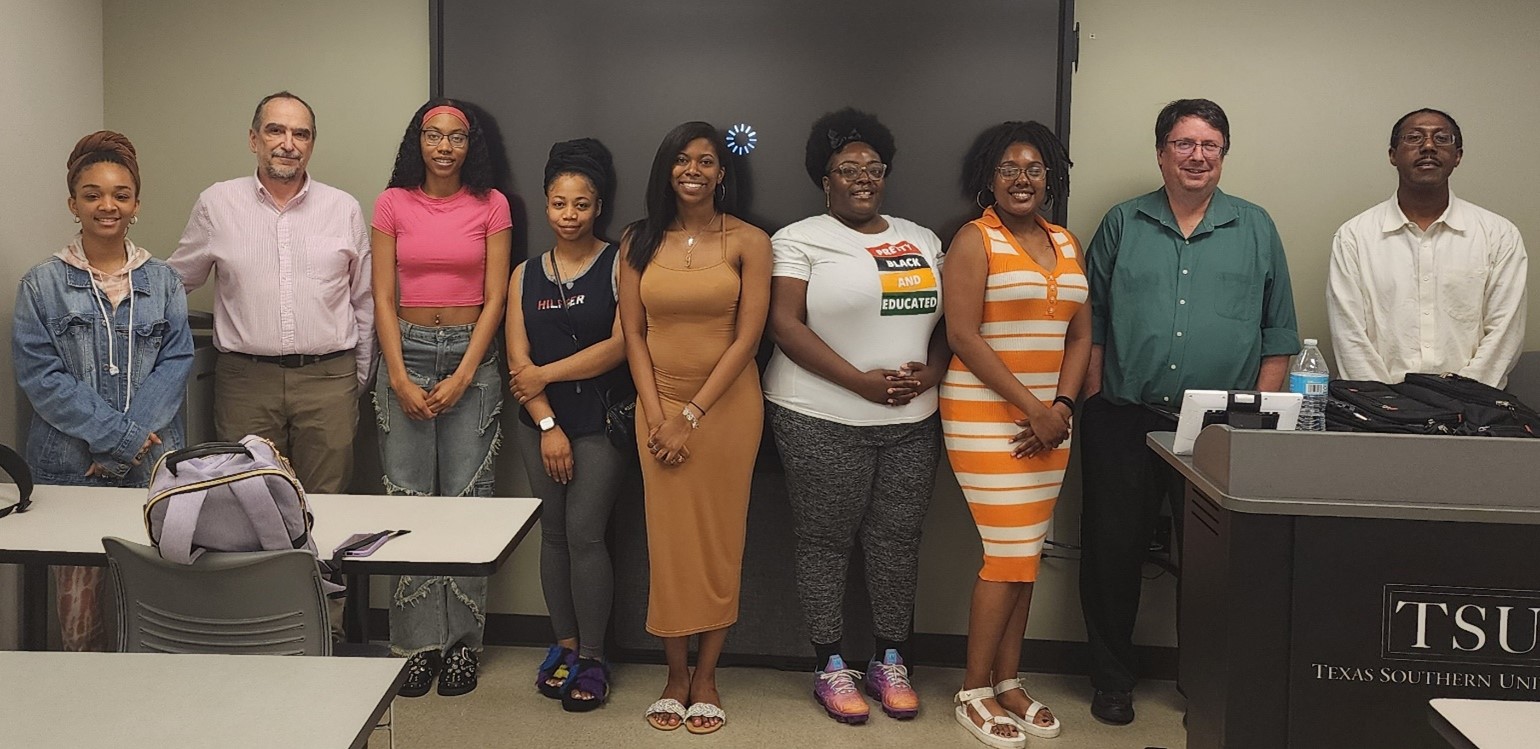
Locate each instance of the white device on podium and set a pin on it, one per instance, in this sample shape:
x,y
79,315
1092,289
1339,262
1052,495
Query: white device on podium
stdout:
x,y
1197,403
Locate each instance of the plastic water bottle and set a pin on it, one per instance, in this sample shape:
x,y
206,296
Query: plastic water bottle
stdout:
x,y
1308,376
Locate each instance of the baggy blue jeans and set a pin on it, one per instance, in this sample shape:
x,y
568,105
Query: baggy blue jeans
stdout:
x,y
449,455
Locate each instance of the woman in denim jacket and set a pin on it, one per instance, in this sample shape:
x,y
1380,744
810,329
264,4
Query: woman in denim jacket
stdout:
x,y
106,395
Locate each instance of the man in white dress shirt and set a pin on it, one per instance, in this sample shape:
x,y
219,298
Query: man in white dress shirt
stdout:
x,y
1425,281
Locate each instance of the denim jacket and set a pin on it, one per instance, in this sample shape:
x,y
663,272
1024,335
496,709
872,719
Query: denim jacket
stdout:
x,y
60,353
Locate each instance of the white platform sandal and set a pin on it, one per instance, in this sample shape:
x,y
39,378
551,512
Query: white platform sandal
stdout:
x,y
974,698
1028,722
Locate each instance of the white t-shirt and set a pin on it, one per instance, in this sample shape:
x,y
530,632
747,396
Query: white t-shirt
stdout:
x,y
874,298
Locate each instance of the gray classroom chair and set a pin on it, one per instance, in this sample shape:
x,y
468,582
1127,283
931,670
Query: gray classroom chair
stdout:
x,y
252,603
257,603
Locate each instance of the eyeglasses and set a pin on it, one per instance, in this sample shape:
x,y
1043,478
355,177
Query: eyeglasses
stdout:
x,y
1186,147
456,140
1010,172
1418,137
850,172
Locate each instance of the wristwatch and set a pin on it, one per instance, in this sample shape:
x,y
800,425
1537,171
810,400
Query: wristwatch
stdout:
x,y
547,424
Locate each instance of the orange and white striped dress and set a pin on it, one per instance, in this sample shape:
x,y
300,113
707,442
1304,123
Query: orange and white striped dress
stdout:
x,y
1027,309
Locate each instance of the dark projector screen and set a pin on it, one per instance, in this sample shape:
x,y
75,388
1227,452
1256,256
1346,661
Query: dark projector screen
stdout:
x,y
627,71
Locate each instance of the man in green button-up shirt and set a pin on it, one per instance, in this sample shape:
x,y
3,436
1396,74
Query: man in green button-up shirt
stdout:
x,y
1189,289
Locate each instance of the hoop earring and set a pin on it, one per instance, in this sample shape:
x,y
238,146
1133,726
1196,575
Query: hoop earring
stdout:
x,y
77,219
978,200
721,191
133,220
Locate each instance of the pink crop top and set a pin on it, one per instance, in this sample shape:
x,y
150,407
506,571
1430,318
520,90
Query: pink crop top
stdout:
x,y
441,243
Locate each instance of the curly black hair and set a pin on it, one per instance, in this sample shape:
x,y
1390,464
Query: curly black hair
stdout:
x,y
836,130
978,171
478,174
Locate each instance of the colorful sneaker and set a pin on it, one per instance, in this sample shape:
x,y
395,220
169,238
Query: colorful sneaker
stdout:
x,y
835,688
888,681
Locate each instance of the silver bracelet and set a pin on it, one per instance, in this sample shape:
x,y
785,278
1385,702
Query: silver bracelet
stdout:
x,y
691,417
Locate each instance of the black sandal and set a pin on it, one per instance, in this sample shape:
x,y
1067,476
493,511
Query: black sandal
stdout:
x,y
557,666
459,674
420,670
591,676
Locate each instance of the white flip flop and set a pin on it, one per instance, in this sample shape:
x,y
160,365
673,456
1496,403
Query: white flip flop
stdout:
x,y
1028,723
705,710
974,698
665,706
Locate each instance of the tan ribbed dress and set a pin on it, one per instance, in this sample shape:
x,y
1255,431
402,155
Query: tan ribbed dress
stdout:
x,y
696,511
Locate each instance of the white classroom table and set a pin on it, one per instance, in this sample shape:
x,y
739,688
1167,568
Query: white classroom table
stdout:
x,y
470,536
1486,724
161,701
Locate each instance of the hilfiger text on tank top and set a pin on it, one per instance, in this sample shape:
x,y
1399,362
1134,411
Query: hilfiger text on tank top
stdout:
x,y
909,284
572,301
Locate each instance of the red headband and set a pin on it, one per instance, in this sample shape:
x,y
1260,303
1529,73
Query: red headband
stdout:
x,y
446,109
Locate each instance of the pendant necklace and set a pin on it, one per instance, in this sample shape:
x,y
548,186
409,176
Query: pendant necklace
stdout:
x,y
689,241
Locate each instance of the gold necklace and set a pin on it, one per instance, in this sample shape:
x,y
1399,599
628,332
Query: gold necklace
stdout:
x,y
689,241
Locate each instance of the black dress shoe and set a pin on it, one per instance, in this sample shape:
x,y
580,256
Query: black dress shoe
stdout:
x,y
1115,707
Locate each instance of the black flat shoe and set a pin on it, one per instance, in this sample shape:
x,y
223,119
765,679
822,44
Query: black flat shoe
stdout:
x,y
1115,706
420,670
459,674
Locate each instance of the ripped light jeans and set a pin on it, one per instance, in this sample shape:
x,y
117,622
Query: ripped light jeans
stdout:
x,y
449,455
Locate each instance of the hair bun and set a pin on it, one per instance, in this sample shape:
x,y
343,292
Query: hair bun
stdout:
x,y
585,156
103,145
104,141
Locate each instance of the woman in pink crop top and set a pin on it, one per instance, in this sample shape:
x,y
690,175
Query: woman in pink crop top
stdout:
x,y
441,236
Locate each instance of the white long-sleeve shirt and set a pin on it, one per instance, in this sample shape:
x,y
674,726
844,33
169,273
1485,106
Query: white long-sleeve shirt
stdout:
x,y
1449,299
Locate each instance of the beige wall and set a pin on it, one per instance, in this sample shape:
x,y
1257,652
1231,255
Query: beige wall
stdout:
x,y
184,75
1311,87
51,80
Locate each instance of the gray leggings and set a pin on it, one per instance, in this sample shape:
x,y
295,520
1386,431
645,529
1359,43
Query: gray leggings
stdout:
x,y
575,570
844,481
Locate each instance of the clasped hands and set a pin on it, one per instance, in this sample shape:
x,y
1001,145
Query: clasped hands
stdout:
x,y
666,442
421,405
97,469
896,387
1044,430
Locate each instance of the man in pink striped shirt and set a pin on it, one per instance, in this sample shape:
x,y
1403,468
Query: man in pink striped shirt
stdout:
x,y
293,315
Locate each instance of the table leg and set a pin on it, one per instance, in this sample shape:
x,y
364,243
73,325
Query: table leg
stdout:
x,y
34,607
356,618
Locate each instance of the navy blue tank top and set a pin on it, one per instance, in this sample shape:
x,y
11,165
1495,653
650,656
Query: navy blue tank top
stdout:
x,y
589,319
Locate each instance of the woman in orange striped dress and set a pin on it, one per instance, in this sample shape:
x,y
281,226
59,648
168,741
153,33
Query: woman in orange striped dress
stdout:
x,y
1014,294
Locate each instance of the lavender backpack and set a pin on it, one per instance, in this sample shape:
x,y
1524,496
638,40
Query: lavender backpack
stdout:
x,y
228,496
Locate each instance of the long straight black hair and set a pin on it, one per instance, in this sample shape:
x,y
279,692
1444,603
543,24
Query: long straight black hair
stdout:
x,y
646,234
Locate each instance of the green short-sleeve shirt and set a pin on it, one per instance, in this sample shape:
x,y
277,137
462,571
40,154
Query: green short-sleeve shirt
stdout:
x,y
1176,312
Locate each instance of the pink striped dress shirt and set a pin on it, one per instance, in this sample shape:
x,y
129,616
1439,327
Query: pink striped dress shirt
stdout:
x,y
288,281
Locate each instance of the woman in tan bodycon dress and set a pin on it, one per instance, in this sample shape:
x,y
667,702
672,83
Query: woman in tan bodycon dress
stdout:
x,y
694,293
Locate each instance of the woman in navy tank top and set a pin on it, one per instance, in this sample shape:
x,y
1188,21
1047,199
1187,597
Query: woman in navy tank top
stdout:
x,y
566,362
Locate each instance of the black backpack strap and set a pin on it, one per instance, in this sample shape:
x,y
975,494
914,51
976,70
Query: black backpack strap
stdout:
x,y
17,469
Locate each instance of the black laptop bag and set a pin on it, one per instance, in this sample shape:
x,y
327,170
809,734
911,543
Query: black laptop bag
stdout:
x,y
1486,410
1369,406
